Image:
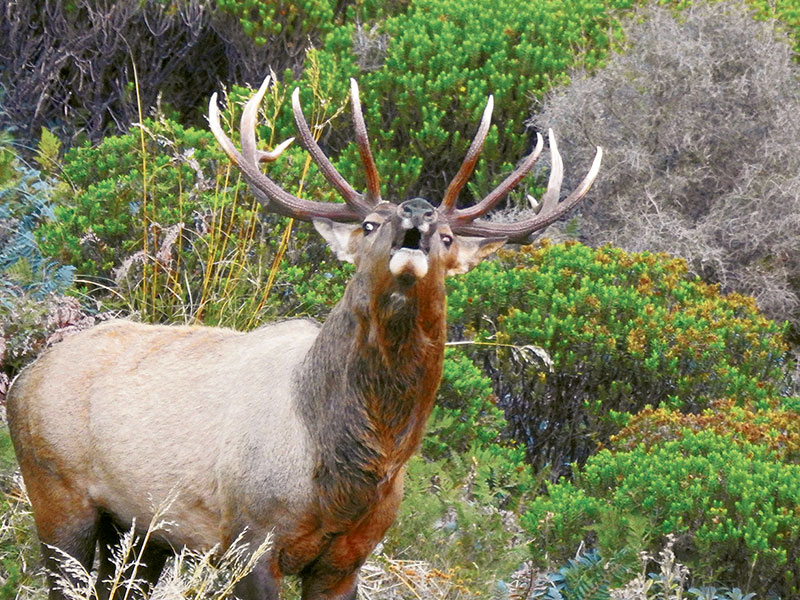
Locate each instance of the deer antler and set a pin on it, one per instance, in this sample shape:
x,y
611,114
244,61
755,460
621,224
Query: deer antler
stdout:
x,y
550,209
270,193
462,221
357,205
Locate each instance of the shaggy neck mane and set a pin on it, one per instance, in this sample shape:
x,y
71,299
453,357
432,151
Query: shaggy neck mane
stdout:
x,y
367,387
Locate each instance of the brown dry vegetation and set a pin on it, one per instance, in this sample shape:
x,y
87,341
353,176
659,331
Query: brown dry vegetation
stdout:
x,y
698,118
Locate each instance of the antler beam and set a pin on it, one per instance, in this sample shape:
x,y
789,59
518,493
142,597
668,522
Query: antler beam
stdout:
x,y
270,193
550,209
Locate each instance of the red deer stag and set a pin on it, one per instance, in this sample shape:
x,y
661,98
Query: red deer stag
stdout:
x,y
296,429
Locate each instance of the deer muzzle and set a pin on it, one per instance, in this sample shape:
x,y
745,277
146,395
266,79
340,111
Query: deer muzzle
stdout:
x,y
414,224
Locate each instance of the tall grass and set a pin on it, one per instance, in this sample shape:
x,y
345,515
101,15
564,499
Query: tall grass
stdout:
x,y
198,575
224,272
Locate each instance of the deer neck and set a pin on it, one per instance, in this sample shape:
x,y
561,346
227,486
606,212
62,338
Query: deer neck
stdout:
x,y
368,384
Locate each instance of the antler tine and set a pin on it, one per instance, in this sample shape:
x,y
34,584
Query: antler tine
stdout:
x,y
362,141
247,130
520,232
353,199
467,215
247,124
470,160
267,191
553,192
275,153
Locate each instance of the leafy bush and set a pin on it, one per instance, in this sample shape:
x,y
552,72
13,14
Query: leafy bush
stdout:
x,y
622,331
776,428
704,160
732,506
465,411
263,21
111,189
445,58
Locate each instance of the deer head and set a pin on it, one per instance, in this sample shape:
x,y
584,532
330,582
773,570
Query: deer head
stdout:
x,y
411,238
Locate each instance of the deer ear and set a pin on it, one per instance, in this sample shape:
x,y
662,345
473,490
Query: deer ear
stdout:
x,y
339,237
472,250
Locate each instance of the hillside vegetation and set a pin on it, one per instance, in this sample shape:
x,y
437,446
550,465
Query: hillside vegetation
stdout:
x,y
619,413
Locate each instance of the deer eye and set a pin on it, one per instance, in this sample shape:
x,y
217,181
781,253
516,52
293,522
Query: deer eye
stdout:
x,y
447,240
368,227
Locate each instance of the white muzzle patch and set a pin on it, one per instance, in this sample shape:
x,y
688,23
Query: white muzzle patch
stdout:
x,y
408,261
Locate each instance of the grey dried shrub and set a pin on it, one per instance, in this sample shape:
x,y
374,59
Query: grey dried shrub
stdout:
x,y
699,121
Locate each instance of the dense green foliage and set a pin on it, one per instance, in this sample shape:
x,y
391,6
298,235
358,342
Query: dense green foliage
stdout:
x,y
424,99
260,20
112,187
732,504
785,12
622,331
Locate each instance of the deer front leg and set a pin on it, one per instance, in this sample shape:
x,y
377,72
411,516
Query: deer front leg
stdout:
x,y
259,584
330,586
334,575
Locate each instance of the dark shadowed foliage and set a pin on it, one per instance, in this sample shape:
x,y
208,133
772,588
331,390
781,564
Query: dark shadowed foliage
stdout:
x,y
69,65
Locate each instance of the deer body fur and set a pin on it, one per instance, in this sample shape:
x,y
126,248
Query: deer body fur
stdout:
x,y
178,404
255,431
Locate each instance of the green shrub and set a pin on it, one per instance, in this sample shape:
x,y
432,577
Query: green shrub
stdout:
x,y
443,59
261,20
465,411
776,428
109,191
466,422
450,517
622,331
732,505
